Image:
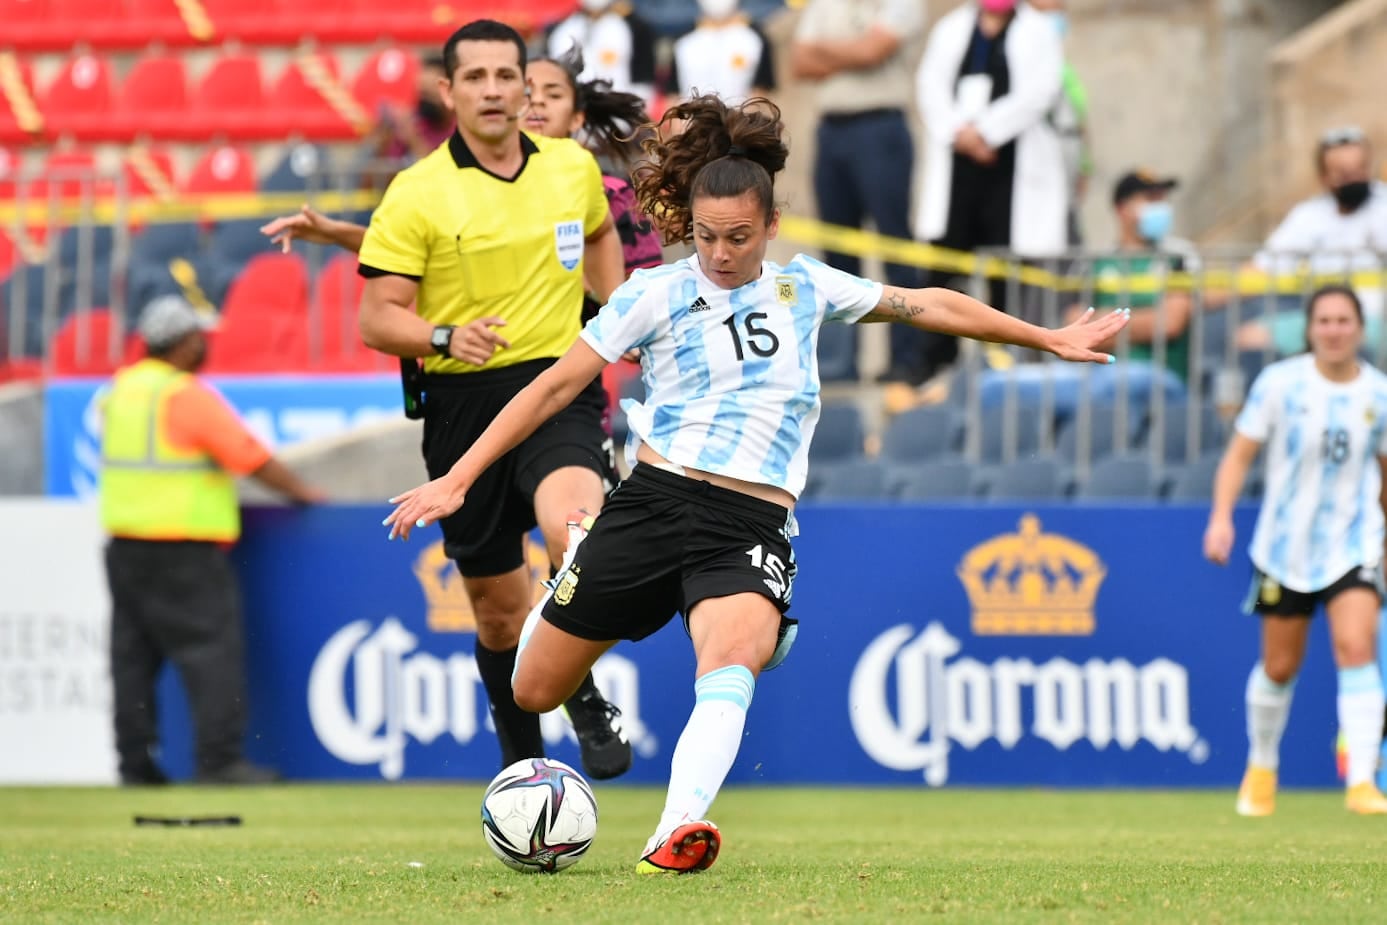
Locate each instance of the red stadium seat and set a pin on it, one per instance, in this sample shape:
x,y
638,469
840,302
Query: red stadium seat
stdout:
x,y
28,25
102,24
153,100
161,21
336,300
20,120
230,100
312,101
79,100
264,320
82,346
388,77
255,22
149,172
222,169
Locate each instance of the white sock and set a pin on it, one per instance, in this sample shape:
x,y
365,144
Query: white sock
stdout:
x,y
1360,718
1268,705
576,533
707,747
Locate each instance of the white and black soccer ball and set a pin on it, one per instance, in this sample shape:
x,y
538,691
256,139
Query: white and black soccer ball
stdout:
x,y
539,816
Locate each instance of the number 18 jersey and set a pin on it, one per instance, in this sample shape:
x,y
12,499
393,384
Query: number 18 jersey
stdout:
x,y
1321,515
731,376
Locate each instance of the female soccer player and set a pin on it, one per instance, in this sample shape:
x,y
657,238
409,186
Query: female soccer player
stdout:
x,y
719,447
1318,540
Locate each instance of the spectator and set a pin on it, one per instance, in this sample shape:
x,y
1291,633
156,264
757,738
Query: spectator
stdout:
x,y
726,54
1141,201
171,449
1070,119
1342,230
853,50
401,136
617,45
990,76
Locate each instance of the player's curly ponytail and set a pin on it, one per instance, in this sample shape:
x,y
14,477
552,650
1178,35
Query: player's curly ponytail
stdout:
x,y
721,151
609,116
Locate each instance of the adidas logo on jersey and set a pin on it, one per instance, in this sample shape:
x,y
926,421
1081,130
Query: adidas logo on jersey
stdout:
x,y
699,305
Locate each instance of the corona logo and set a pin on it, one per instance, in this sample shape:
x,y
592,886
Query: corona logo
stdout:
x,y
449,610
1031,583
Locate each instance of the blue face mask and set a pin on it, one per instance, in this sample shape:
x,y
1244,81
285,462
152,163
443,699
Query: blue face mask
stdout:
x,y
1154,221
1060,21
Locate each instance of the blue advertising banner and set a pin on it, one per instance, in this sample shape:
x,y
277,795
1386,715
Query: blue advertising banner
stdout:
x,y
1066,646
281,410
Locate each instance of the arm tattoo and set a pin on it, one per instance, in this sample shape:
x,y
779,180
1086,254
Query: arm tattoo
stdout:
x,y
894,308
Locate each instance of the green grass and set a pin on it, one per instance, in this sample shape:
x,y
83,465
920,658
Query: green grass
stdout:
x,y
345,854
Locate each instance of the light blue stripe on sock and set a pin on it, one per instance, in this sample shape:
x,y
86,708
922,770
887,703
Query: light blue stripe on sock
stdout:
x,y
1263,683
733,684
1363,679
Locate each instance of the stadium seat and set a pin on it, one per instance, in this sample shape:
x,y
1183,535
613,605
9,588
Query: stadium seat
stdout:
x,y
230,99
1102,432
387,78
839,435
93,243
162,21
28,26
238,240
153,100
78,102
20,119
313,103
222,169
254,22
336,299
927,432
1194,482
838,352
264,321
862,480
160,242
1173,428
1023,480
1119,477
149,172
83,346
936,480
1030,424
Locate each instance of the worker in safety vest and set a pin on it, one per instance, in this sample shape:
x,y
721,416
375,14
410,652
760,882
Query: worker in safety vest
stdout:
x,y
171,451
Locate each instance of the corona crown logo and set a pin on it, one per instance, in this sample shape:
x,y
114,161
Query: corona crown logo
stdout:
x,y
449,610
1031,583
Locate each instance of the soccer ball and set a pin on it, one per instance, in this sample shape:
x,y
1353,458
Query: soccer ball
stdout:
x,y
539,816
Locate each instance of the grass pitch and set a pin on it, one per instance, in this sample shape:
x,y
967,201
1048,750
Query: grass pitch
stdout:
x,y
415,854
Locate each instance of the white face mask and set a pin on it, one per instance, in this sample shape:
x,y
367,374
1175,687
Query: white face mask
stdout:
x,y
594,6
717,9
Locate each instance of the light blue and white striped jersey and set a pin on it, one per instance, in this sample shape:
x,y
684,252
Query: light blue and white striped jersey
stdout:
x,y
1321,515
731,376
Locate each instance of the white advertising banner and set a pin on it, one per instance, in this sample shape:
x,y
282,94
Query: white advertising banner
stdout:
x,y
55,688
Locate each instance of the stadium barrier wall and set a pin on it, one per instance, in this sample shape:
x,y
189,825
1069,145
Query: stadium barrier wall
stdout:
x,y
1069,646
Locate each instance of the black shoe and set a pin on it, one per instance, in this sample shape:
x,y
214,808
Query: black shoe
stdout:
x,y
144,774
606,753
240,772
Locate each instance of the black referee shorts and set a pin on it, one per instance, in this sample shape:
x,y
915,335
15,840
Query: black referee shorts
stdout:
x,y
663,543
486,536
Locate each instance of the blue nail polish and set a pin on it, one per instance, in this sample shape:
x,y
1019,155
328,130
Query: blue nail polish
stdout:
x,y
385,522
420,522
1111,359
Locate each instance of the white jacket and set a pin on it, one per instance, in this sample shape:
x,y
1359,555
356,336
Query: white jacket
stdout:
x,y
1035,58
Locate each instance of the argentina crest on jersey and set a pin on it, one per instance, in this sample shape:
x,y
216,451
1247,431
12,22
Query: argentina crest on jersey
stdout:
x,y
568,243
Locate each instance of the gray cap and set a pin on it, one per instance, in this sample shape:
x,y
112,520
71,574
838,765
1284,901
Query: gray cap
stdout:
x,y
168,319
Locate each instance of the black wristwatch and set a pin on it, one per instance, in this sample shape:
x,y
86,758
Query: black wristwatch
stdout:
x,y
442,339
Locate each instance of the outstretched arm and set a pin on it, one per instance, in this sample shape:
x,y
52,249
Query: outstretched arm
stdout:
x,y
546,396
315,228
1228,484
950,312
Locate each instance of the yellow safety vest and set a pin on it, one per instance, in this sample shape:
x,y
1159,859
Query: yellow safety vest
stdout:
x,y
150,489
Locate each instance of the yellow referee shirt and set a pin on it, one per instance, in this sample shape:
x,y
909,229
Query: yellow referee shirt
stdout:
x,y
480,244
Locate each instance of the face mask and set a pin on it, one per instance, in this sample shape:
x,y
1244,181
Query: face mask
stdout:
x,y
594,6
1351,196
717,9
1154,221
1060,22
431,111
998,6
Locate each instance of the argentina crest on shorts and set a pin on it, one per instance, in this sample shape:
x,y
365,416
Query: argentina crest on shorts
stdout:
x,y
568,243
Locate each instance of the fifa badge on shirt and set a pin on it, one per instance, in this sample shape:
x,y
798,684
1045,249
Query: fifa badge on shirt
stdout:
x,y
568,583
568,243
785,290
1271,591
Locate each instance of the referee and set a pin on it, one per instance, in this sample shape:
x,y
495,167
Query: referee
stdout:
x,y
490,237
